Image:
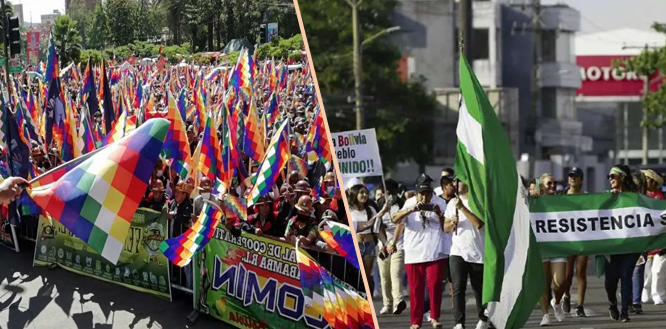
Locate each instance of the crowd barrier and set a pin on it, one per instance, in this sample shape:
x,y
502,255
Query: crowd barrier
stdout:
x,y
334,263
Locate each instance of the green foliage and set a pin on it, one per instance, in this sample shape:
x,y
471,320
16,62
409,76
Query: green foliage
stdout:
x,y
280,48
83,17
68,41
93,54
402,113
123,20
98,32
231,58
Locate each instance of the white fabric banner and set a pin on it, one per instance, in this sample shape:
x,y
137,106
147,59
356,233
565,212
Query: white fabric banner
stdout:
x,y
358,153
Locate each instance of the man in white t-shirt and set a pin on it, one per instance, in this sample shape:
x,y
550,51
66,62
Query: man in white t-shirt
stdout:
x,y
426,247
466,257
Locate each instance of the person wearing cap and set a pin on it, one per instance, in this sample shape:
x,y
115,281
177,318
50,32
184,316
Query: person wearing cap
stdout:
x,y
263,221
654,287
285,205
426,247
466,258
367,224
205,193
391,267
579,263
620,267
301,188
180,217
301,227
157,197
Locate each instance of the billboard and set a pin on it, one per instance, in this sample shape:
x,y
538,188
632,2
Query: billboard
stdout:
x,y
600,80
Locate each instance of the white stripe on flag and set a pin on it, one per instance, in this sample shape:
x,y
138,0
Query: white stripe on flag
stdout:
x,y
470,133
515,259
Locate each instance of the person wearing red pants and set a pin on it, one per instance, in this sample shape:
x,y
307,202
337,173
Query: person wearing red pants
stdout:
x,y
426,247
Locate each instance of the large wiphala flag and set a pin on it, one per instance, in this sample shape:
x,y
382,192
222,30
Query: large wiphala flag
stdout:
x,y
513,277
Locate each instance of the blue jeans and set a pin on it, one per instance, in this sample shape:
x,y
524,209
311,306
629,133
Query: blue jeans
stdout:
x,y
638,280
620,268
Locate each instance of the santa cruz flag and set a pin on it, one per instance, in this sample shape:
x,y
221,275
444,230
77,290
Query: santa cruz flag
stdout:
x,y
485,162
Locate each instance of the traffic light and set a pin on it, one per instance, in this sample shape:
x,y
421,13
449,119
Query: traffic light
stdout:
x,y
263,35
14,36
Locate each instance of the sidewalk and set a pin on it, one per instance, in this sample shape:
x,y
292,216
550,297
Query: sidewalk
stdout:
x,y
58,299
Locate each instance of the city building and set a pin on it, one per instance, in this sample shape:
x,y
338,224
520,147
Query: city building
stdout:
x,y
523,54
608,102
49,19
90,4
18,12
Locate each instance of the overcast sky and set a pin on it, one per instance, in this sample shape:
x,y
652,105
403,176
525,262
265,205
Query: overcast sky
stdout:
x,y
39,7
604,15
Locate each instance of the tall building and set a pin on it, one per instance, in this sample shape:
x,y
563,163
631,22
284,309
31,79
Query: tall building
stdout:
x,y
49,19
523,54
18,12
90,4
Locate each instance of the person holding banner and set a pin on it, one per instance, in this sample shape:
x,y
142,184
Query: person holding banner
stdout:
x,y
555,268
366,225
620,267
575,180
426,247
654,287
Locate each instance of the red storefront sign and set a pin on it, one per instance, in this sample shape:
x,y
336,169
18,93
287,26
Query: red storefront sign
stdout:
x,y
599,79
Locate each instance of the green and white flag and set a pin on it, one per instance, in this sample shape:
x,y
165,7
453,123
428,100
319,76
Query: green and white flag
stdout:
x,y
485,162
597,224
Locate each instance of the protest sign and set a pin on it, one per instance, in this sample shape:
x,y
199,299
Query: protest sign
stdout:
x,y
597,224
358,153
141,265
252,282
8,234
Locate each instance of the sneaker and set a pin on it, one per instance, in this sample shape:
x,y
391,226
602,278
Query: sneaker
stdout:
x,y
638,309
400,307
624,317
545,321
614,313
385,310
559,314
458,326
436,324
566,304
426,317
414,326
580,311
482,324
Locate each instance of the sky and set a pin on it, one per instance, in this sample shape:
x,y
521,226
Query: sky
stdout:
x,y
39,7
604,15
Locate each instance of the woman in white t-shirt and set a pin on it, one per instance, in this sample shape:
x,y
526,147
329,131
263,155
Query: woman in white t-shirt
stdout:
x,y
367,224
391,268
466,258
426,248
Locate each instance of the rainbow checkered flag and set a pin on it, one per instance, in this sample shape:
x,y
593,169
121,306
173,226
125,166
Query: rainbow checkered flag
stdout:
x,y
234,207
339,238
311,285
277,155
95,196
181,248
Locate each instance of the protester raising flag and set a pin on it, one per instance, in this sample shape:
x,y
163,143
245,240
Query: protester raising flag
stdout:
x,y
484,161
95,196
277,155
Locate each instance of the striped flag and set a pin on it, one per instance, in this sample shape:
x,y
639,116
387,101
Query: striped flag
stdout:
x,y
339,238
181,248
485,162
277,155
95,196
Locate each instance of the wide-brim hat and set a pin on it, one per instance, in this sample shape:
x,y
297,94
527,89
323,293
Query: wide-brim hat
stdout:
x,y
304,209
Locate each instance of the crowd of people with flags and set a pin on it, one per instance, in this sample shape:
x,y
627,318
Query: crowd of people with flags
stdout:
x,y
241,144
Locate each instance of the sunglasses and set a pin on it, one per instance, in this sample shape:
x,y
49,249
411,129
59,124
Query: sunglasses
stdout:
x,y
551,183
614,176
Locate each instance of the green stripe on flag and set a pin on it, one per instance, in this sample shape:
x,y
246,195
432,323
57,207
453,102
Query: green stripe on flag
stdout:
x,y
593,201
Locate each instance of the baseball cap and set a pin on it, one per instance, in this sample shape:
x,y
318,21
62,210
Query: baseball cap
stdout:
x,y
577,172
423,184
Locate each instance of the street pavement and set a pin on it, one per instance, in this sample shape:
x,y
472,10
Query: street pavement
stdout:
x,y
40,298
596,307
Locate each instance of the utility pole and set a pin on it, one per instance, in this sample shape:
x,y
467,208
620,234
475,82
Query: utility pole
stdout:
x,y
358,78
536,49
465,28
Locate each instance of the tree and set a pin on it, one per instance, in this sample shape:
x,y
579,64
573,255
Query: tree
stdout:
x,y
68,41
122,16
401,113
646,64
99,31
9,9
83,17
